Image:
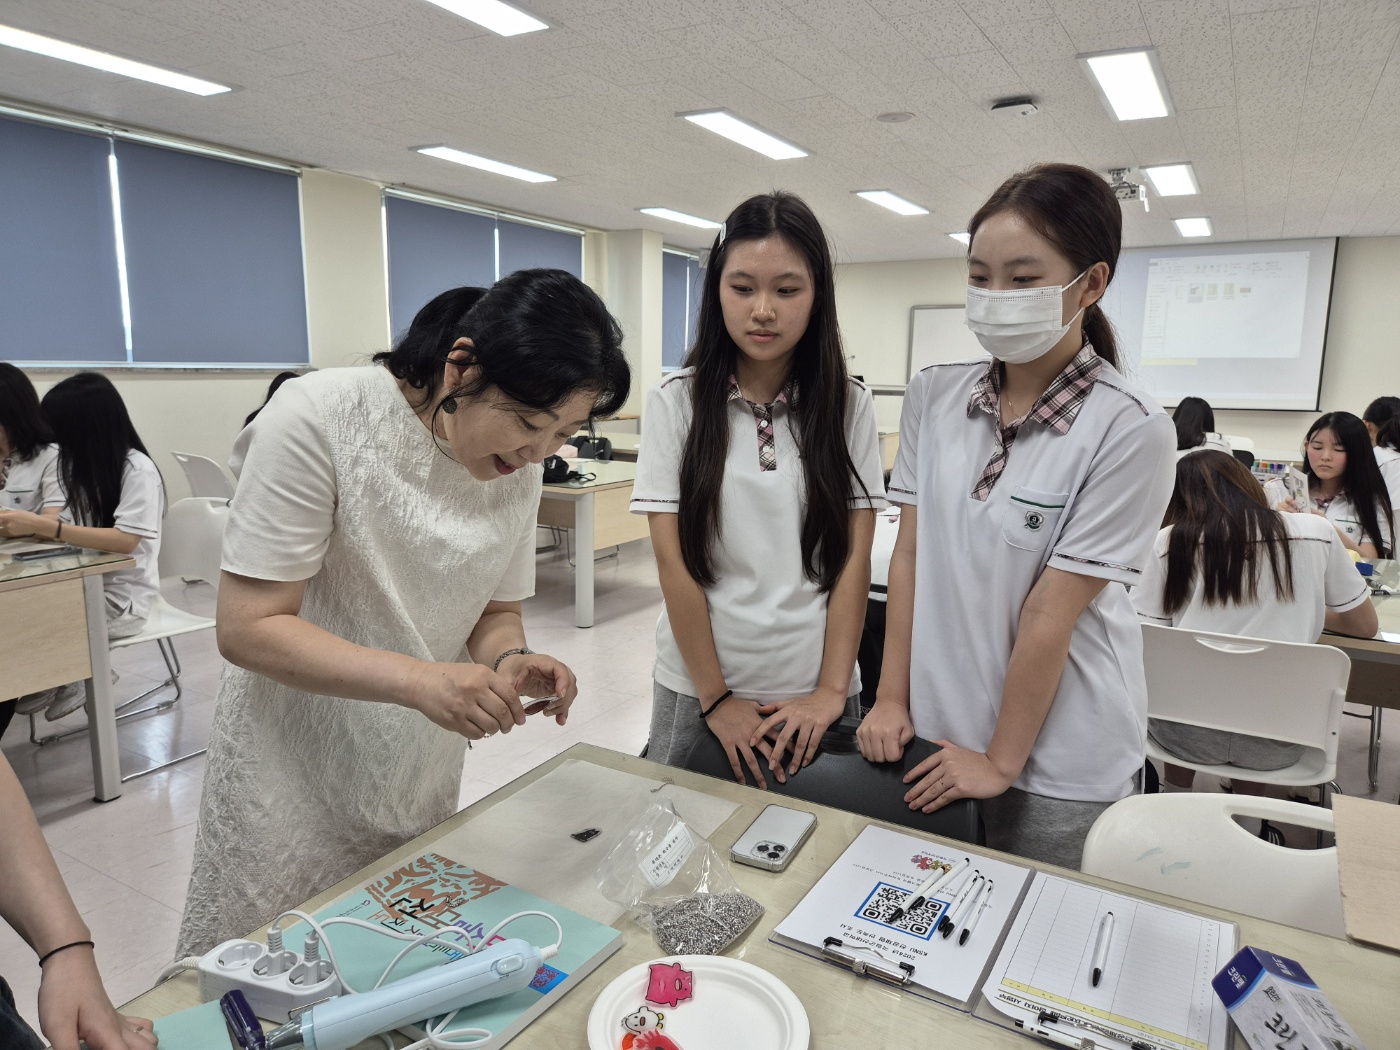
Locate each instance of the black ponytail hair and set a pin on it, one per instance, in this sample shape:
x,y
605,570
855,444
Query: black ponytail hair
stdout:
x,y
1072,208
1194,419
1362,480
819,415
94,434
20,416
538,336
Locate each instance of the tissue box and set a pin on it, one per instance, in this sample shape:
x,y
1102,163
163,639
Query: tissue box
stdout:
x,y
1276,1005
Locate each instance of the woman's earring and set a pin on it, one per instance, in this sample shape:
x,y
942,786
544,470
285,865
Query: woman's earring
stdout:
x,y
449,405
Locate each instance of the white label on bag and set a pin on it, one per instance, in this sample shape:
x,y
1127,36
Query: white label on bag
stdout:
x,y
661,864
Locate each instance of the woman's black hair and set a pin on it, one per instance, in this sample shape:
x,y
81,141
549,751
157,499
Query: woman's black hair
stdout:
x,y
24,424
1381,411
822,398
94,434
277,381
538,336
1389,434
1361,480
1222,527
1194,419
1074,209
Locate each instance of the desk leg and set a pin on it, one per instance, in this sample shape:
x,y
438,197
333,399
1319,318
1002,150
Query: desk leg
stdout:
x,y
583,561
101,712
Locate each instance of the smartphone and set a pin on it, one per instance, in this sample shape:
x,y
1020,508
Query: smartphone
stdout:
x,y
45,552
774,838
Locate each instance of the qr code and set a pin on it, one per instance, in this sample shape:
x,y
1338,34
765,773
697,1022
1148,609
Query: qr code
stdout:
x,y
884,899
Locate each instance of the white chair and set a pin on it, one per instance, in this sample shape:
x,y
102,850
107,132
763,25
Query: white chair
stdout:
x,y
192,538
206,478
1278,690
1239,443
1187,845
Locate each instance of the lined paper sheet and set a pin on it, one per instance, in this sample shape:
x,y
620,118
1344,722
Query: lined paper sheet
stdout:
x,y
1156,984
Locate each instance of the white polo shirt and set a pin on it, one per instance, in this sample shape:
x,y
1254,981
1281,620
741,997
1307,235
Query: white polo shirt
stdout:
x,y
1341,512
1212,442
1086,501
32,484
1389,462
139,512
768,619
1323,578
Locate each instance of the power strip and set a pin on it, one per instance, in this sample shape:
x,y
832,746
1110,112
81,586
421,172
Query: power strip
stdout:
x,y
275,981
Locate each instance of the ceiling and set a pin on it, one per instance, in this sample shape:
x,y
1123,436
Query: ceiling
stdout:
x,y
1289,109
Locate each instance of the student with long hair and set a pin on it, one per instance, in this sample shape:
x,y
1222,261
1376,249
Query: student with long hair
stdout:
x,y
1032,487
1382,419
376,556
113,501
760,476
1226,563
1345,485
1194,420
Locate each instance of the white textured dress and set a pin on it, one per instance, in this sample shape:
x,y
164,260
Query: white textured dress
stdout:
x,y
341,485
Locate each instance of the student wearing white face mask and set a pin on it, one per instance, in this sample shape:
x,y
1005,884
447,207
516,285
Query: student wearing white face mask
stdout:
x,y
1033,487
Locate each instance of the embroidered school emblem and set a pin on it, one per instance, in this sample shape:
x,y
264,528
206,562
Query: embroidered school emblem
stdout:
x,y
1034,520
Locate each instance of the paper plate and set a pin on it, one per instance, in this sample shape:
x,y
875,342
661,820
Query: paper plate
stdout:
x,y
733,1004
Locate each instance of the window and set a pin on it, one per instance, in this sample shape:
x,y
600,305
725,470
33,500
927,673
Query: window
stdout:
x,y
434,246
682,282
117,252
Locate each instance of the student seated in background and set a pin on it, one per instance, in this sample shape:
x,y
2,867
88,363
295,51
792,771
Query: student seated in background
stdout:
x,y
113,501
1382,419
1195,427
28,463
1227,563
759,474
1345,485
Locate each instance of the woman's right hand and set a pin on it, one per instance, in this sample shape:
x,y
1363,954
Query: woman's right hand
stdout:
x,y
734,722
1287,504
884,732
469,699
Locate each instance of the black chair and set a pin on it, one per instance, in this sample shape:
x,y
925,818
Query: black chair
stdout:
x,y
593,448
840,778
1245,457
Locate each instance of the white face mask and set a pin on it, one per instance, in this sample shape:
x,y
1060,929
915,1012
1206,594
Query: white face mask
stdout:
x,y
1020,325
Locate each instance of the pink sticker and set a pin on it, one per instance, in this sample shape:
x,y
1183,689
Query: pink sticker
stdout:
x,y
670,984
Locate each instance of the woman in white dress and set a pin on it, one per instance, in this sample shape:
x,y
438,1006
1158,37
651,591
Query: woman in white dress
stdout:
x,y
375,559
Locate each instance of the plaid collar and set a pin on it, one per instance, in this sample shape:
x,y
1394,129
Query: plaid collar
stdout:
x,y
786,396
1057,407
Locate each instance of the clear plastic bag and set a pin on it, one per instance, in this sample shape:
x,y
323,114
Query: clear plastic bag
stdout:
x,y
674,883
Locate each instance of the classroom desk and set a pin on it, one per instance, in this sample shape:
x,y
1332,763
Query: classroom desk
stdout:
x,y
597,512
53,630
845,1011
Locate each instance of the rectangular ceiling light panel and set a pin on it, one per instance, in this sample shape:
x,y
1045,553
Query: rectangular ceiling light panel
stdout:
x,y
86,56
736,130
892,201
500,18
1193,227
1130,82
680,216
1173,180
496,167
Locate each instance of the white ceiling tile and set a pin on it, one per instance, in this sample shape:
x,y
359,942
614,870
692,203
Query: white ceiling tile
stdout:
x,y
941,28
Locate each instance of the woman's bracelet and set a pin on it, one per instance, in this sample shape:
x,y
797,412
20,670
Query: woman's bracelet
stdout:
x,y
705,712
58,531
63,948
523,650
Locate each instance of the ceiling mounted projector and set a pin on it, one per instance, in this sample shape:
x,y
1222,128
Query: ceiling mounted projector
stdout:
x,y
1125,190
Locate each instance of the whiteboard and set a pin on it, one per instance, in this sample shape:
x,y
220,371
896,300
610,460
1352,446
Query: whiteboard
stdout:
x,y
937,335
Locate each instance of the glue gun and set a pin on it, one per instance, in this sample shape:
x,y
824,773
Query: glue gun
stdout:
x,y
345,1020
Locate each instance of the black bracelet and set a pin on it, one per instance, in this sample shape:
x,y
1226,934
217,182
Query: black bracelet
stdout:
x,y
76,944
705,712
58,531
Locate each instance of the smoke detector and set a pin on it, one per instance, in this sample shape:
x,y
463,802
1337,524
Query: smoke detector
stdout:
x,y
1125,190
1014,107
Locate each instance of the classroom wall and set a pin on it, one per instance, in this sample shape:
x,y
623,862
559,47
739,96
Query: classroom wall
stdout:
x,y
1363,337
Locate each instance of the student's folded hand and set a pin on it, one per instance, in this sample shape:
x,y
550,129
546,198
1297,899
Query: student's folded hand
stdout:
x,y
953,773
735,722
884,732
803,721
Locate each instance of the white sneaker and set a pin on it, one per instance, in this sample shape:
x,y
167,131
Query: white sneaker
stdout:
x,y
70,698
35,702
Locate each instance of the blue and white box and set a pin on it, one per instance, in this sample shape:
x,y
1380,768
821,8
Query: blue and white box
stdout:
x,y
1276,1005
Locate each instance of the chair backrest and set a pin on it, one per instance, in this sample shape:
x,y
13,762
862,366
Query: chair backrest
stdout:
x,y
206,477
192,539
1288,691
1188,845
840,778
1239,443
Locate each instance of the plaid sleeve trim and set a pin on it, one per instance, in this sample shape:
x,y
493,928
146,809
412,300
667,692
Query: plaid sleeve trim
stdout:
x,y
1099,564
648,499
1165,621
903,492
1365,593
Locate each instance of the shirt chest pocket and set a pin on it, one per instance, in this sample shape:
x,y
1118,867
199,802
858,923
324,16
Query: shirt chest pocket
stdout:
x,y
1031,516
